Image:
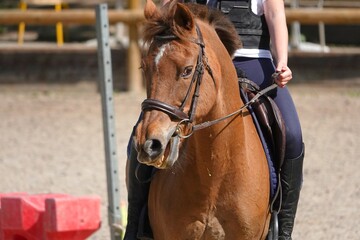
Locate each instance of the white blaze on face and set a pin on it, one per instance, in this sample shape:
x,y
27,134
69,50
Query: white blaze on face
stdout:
x,y
161,53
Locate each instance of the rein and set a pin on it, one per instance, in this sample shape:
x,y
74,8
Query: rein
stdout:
x,y
213,122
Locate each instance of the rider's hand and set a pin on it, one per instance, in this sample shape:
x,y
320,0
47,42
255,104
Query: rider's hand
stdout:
x,y
284,76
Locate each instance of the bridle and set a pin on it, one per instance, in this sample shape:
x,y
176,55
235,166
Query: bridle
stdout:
x,y
178,112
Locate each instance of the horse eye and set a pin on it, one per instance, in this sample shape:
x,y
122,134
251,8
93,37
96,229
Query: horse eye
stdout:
x,y
187,72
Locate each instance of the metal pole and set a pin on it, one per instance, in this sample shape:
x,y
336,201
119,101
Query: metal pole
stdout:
x,y
106,87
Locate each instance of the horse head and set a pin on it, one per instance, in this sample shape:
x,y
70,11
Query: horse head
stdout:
x,y
189,47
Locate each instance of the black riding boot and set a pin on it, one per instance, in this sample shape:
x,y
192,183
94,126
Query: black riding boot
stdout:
x,y
137,194
291,181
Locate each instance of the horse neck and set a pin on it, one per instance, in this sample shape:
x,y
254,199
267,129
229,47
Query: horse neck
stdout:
x,y
219,150
213,148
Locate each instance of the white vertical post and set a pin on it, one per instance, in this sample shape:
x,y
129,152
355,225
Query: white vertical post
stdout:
x,y
295,29
133,56
322,29
107,100
121,34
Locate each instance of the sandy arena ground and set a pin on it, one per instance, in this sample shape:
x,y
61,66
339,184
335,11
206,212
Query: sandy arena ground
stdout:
x,y
51,142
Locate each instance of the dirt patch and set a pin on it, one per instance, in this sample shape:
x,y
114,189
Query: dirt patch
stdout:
x,y
51,141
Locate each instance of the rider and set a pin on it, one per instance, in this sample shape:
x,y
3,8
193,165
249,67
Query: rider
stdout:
x,y
258,22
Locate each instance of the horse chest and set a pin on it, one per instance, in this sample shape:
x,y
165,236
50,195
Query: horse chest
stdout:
x,y
191,220
211,230
214,230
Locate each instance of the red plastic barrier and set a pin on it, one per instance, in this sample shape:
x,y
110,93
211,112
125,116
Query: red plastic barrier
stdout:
x,y
2,195
48,217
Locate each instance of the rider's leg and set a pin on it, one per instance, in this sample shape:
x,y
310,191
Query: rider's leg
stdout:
x,y
291,170
260,71
137,191
291,181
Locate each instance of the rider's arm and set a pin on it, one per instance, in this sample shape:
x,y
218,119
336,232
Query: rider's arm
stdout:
x,y
276,20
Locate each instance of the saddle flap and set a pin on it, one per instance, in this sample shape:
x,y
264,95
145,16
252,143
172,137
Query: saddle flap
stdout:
x,y
270,120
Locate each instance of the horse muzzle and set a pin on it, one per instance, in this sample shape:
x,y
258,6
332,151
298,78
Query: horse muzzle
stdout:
x,y
160,152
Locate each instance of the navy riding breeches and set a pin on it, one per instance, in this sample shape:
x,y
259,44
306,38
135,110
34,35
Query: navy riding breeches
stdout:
x,y
259,70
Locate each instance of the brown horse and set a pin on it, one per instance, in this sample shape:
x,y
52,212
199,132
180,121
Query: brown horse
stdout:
x,y
214,180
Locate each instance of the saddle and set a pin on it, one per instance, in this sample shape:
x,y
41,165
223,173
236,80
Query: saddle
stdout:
x,y
269,118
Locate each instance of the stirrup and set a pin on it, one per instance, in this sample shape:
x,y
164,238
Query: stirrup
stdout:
x,y
273,233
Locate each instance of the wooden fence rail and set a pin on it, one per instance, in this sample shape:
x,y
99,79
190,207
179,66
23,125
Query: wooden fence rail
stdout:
x,y
327,16
67,17
87,17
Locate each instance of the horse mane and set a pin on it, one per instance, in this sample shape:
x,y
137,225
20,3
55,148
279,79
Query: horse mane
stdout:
x,y
162,25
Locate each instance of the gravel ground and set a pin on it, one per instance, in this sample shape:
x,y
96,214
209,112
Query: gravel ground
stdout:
x,y
51,142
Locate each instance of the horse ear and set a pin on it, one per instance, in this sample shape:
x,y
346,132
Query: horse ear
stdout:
x,y
183,17
150,10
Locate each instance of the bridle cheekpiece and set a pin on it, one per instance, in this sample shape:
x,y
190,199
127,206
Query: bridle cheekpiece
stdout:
x,y
178,112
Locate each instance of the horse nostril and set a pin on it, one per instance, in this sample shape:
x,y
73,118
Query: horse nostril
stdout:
x,y
153,147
